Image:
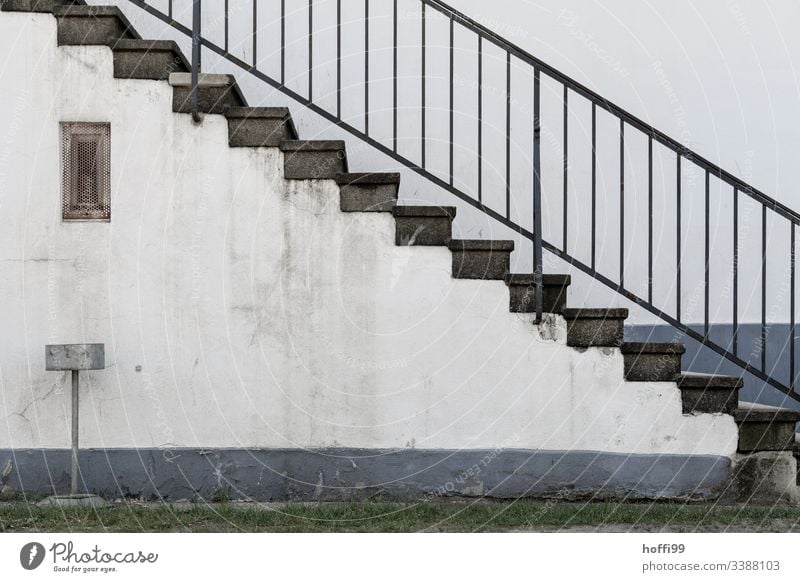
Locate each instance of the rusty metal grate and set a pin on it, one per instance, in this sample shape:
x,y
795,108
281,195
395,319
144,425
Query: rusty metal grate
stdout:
x,y
86,171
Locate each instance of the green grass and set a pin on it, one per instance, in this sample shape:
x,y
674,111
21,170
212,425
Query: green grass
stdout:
x,y
398,517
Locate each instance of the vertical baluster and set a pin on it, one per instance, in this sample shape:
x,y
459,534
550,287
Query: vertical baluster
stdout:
x,y
338,59
422,130
255,34
310,51
227,26
537,196
650,219
792,306
508,135
196,57
621,203
594,185
480,118
394,77
283,42
707,251
735,271
366,67
452,80
565,211
169,9
763,288
679,250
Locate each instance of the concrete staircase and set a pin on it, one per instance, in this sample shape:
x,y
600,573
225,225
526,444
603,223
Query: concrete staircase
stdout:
x,y
761,429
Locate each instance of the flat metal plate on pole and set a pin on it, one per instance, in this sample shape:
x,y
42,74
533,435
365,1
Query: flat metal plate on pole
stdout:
x,y
73,358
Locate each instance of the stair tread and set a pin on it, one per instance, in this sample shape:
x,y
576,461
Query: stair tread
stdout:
x,y
371,178
595,313
481,245
529,279
407,210
316,145
752,412
87,11
653,348
711,381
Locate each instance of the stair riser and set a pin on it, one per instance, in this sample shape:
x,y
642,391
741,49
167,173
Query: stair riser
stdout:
x,y
765,436
523,298
29,5
368,197
657,367
209,99
313,165
699,400
90,30
258,132
155,65
584,333
423,230
481,264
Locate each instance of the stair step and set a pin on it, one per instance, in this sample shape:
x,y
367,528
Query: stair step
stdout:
x,y
35,5
765,428
796,451
148,59
313,160
259,126
423,225
595,327
92,25
712,393
368,192
652,362
522,292
215,93
481,259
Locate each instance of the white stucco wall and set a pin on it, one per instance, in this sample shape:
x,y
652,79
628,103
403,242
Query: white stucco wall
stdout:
x,y
241,310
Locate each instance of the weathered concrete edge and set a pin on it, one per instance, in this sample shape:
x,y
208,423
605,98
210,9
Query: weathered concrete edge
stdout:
x,y
354,474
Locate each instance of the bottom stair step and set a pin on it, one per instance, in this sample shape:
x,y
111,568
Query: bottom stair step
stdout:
x,y
796,451
765,428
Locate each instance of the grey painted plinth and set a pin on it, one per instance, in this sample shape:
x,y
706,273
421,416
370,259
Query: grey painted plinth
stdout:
x,y
78,500
360,474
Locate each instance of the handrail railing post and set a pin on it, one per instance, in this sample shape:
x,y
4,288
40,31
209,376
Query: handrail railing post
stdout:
x,y
195,57
537,198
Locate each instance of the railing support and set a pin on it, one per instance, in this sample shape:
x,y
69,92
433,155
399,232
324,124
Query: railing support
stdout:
x,y
537,197
195,58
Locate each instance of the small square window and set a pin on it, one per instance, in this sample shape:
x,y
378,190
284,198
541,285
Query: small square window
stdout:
x,y
86,171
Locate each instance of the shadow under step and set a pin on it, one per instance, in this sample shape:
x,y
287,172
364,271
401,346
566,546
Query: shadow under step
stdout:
x,y
522,292
215,93
368,192
148,59
652,362
92,25
259,126
423,225
712,393
595,327
314,159
481,259
765,428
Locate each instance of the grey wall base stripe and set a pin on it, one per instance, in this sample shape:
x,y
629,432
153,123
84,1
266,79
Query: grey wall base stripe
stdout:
x,y
351,474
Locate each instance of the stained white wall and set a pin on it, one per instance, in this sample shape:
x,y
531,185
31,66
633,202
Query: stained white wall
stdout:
x,y
241,310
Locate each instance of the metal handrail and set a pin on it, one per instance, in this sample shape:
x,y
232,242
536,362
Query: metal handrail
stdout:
x,y
570,87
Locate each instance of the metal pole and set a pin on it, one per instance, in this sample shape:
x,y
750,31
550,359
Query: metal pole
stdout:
x,y
195,57
73,484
